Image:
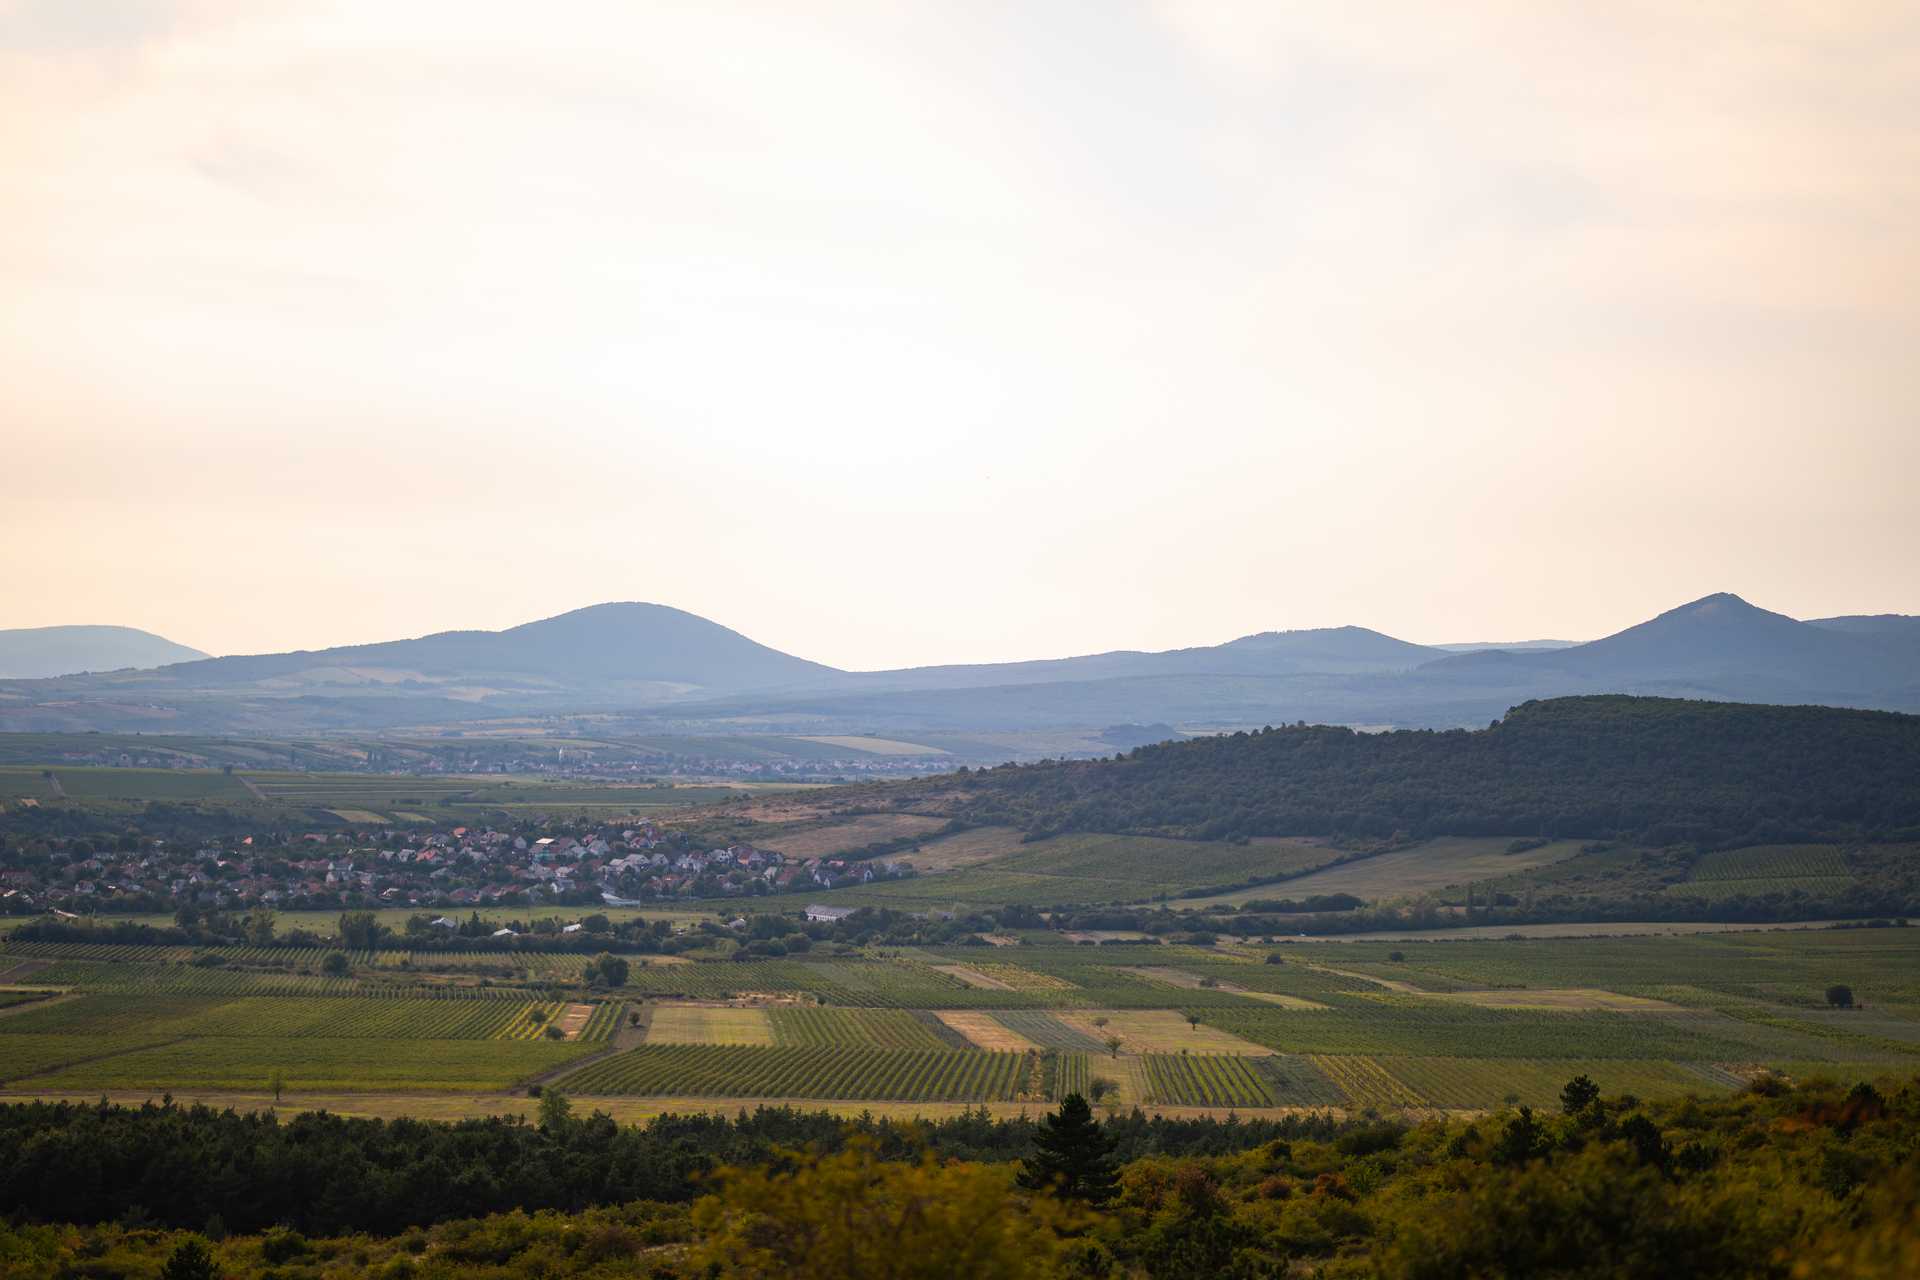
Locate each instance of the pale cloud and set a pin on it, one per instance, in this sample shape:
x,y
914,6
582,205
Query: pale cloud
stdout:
x,y
896,333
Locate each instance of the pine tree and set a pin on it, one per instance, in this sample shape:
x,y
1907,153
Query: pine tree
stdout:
x,y
1072,1156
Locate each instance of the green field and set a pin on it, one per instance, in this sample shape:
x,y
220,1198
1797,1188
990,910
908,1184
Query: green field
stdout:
x,y
82,784
250,1062
1426,867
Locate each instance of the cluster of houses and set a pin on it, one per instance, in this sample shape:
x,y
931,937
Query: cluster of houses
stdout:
x,y
457,867
607,764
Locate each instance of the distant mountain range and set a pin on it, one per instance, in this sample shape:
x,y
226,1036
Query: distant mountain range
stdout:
x,y
646,668
34,653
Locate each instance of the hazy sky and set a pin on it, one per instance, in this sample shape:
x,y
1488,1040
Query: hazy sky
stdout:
x,y
893,333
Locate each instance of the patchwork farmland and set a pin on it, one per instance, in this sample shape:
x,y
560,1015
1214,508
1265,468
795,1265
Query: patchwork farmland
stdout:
x,y
1466,1025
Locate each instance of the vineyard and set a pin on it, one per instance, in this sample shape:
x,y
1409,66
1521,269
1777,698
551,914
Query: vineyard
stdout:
x,y
1072,1073
881,1075
1787,861
1365,1083
1048,1031
862,1028
1205,1080
363,1019
1815,870
530,1023
605,1019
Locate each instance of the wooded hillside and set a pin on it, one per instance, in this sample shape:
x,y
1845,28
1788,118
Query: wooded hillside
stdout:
x,y
1652,769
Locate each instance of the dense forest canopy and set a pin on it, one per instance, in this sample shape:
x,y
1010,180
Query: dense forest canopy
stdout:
x,y
1657,770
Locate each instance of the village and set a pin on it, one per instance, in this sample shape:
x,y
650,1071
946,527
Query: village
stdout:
x,y
461,866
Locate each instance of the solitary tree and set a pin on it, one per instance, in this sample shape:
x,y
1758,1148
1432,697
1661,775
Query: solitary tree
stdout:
x,y
1840,996
335,965
1113,1045
1193,1021
555,1111
276,1082
1072,1156
1578,1094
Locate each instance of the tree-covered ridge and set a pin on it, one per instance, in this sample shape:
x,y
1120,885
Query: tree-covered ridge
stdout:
x,y
1655,770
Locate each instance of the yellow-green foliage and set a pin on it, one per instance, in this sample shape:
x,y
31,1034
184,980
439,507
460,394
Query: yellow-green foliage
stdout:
x,y
853,1215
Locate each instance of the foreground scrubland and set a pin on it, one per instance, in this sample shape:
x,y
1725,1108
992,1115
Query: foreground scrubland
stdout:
x,y
1775,1181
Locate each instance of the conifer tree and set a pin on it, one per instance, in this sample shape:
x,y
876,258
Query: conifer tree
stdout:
x,y
1072,1156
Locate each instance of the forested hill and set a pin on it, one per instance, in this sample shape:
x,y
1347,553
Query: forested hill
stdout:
x,y
1654,769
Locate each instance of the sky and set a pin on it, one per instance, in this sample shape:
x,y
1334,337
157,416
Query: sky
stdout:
x,y
896,333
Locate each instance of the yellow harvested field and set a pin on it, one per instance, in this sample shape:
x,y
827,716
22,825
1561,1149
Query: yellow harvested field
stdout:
x,y
985,1030
356,815
874,746
704,1024
966,849
1157,1031
572,1018
1572,999
1569,998
854,833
